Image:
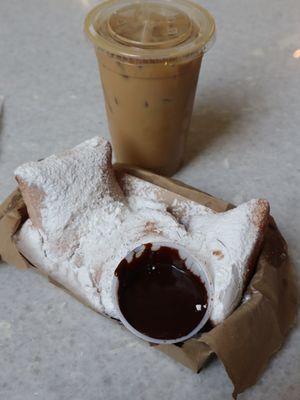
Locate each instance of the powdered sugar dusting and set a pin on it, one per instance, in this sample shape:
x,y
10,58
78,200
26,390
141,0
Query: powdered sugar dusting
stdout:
x,y
141,192
72,184
229,239
90,223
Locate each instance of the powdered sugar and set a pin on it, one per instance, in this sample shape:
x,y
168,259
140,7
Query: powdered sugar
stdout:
x,y
228,241
71,185
90,223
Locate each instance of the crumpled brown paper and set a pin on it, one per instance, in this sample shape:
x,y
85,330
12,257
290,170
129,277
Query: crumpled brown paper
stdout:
x,y
247,339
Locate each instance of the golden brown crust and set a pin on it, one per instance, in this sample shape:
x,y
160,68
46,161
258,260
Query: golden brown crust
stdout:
x,y
260,218
33,198
260,214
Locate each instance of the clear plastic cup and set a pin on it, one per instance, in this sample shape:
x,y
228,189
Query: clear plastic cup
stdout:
x,y
149,54
194,266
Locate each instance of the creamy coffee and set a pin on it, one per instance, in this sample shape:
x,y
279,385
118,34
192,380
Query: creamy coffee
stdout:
x,y
149,55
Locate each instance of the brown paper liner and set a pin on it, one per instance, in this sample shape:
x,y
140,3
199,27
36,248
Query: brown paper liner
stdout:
x,y
247,339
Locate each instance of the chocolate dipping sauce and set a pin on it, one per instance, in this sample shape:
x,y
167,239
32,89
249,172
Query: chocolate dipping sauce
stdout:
x,y
159,296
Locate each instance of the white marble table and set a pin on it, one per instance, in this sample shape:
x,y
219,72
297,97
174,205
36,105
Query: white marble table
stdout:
x,y
244,143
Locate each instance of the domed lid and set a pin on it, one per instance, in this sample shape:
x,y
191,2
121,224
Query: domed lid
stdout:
x,y
150,26
150,29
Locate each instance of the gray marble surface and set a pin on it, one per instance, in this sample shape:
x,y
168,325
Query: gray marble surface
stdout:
x,y
244,143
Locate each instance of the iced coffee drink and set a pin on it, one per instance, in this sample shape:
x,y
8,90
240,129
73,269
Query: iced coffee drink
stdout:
x,y
149,55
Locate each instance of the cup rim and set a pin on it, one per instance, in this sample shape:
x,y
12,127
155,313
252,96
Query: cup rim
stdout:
x,y
205,277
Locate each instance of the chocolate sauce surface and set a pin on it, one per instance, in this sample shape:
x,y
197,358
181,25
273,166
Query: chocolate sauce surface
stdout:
x,y
158,295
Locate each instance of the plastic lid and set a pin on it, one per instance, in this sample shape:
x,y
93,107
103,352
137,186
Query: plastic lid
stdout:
x,y
150,29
